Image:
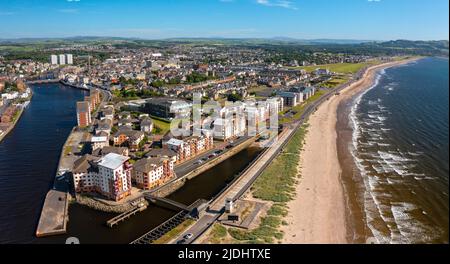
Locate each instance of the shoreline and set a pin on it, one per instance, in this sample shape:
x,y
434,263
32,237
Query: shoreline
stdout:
x,y
13,125
321,212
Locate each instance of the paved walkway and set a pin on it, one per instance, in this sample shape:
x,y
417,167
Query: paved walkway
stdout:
x,y
247,178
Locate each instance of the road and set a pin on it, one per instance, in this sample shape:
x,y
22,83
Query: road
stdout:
x,y
183,169
188,166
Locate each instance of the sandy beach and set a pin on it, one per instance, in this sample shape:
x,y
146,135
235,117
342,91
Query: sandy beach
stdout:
x,y
318,213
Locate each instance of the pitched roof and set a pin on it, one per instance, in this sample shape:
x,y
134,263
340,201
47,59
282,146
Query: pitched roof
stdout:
x,y
109,149
82,164
147,165
161,153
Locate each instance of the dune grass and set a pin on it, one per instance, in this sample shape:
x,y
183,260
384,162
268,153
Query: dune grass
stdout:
x,y
174,232
276,185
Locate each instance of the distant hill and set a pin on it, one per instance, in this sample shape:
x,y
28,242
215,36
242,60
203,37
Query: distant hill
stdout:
x,y
428,48
364,47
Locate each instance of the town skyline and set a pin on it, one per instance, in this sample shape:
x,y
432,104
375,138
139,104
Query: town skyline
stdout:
x,y
377,20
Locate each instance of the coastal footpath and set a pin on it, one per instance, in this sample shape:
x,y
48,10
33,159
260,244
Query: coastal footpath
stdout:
x,y
317,214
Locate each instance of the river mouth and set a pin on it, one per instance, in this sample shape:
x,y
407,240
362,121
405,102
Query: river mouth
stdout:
x,y
89,226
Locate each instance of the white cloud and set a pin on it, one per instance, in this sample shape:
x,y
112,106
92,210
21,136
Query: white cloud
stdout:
x,y
277,3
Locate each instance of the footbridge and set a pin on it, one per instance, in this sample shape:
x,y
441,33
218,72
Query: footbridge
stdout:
x,y
167,201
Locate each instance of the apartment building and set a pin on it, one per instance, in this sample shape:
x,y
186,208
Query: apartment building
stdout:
x,y
231,123
275,104
99,142
114,177
62,59
84,174
180,148
126,136
256,117
223,129
109,176
83,114
189,147
152,172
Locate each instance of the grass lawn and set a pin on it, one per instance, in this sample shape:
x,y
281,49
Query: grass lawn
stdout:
x,y
261,91
338,67
299,109
335,81
67,150
174,232
161,127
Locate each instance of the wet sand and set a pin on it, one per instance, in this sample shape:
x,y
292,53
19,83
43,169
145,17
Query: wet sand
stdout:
x,y
322,212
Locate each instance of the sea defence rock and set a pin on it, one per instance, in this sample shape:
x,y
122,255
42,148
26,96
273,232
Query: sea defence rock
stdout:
x,y
99,205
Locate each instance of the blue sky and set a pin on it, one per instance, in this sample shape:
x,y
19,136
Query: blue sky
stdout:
x,y
304,19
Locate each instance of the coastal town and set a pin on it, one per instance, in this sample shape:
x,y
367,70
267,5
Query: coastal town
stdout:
x,y
123,146
154,118
224,131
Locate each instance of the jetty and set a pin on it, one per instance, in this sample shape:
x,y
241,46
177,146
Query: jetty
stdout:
x,y
54,216
124,216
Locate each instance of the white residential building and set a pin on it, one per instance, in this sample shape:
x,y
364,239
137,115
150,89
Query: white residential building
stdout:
x,y
10,96
223,129
62,59
275,104
54,59
99,142
69,58
114,176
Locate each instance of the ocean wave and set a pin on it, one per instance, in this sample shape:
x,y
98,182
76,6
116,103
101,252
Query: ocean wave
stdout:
x,y
388,222
410,230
